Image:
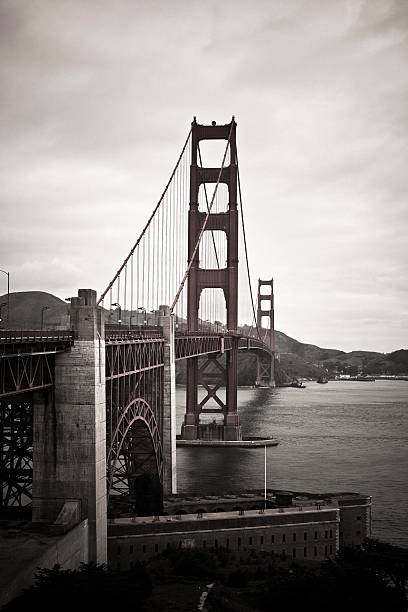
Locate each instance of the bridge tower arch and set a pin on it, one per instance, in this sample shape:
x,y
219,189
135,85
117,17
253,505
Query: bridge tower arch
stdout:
x,y
224,278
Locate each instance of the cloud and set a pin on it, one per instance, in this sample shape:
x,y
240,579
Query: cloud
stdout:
x,y
96,102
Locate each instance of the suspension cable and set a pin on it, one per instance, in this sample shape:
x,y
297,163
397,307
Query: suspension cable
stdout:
x,y
148,222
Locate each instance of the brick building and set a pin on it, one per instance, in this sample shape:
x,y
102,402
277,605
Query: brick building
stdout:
x,y
298,526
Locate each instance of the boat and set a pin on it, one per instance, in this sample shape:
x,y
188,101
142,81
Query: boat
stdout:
x,y
295,383
362,378
322,379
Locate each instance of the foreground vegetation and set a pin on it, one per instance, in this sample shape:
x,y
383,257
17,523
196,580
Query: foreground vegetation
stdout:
x,y
374,578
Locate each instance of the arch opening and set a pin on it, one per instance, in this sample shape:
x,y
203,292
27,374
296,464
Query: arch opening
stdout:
x,y
135,462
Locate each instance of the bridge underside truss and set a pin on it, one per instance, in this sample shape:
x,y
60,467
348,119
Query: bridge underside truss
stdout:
x,y
134,404
264,376
16,450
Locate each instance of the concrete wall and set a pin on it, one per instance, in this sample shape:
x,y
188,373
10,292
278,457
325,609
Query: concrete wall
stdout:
x,y
39,551
355,520
69,462
166,322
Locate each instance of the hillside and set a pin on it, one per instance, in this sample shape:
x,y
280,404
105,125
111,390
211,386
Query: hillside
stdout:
x,y
26,307
295,359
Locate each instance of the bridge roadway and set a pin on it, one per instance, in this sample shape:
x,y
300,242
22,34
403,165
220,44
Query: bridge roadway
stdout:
x,y
27,356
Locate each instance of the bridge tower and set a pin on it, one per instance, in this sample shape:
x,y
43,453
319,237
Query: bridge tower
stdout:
x,y
212,373
265,364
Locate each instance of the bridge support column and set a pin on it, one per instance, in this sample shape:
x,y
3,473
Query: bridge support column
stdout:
x,y
265,376
189,429
166,322
70,433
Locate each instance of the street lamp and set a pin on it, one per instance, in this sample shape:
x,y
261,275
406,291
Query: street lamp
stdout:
x,y
8,293
143,311
119,311
43,309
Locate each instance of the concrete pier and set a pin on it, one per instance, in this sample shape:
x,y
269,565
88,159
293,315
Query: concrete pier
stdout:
x,y
69,480
166,322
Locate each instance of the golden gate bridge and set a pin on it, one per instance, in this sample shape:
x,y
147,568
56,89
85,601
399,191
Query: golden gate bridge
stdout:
x,y
88,414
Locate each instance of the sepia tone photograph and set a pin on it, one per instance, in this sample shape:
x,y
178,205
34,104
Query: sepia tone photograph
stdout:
x,y
203,305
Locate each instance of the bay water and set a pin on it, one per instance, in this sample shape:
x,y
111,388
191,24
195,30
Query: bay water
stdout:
x,y
340,436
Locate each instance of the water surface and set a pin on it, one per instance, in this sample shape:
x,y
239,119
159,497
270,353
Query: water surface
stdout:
x,y
341,436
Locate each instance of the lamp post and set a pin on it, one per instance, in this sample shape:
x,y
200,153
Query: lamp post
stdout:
x,y
43,309
143,311
8,294
119,311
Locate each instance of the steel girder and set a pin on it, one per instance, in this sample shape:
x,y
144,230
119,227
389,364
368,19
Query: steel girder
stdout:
x,y
195,345
134,405
16,451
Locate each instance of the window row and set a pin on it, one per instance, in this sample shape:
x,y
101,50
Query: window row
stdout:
x,y
274,539
295,553
251,541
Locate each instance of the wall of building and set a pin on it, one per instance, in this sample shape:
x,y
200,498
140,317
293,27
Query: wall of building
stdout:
x,y
355,520
294,534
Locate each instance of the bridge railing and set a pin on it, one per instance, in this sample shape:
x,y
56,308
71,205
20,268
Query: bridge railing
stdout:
x,y
13,336
118,334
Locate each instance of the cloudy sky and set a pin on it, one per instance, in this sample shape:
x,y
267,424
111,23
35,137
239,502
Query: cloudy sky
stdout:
x,y
97,98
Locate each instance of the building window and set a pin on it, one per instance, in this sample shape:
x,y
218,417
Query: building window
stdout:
x,y
315,551
273,539
250,541
315,535
204,543
227,542
294,553
358,532
118,551
331,549
216,543
358,518
305,536
179,543
156,548
305,552
283,538
325,550
144,548
283,554
262,539
131,549
294,537
341,534
326,534
331,533
239,541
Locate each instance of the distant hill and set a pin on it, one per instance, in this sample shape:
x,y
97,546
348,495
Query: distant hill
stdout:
x,y
295,359
26,307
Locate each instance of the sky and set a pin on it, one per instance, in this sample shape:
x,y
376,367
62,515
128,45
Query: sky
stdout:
x,y
97,97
